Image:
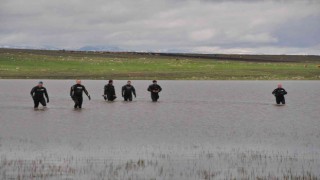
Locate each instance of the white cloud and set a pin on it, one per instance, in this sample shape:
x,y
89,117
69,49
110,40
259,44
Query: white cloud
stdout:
x,y
258,38
202,35
259,50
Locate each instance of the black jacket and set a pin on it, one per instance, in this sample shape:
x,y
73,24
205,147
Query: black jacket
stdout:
x,y
154,88
128,90
38,92
109,90
77,90
279,92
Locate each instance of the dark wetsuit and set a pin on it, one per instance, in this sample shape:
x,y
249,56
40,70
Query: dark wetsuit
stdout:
x,y
127,91
37,95
154,89
109,92
279,94
76,94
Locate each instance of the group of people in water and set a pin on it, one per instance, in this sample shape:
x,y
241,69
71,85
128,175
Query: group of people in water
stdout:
x,y
39,93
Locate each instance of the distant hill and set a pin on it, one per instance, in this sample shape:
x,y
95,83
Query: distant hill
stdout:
x,y
101,48
118,51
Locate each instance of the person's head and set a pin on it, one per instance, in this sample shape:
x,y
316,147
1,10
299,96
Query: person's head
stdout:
x,y
129,82
78,81
154,81
279,85
110,81
40,84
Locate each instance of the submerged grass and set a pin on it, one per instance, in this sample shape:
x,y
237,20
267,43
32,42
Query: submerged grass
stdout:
x,y
37,64
233,164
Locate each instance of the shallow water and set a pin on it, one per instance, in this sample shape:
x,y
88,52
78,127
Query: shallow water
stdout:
x,y
198,130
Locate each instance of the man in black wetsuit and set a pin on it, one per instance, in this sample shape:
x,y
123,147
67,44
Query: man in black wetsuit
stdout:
x,y
37,95
154,89
127,91
76,94
279,94
109,92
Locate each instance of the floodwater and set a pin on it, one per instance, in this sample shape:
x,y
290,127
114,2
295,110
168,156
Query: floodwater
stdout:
x,y
198,130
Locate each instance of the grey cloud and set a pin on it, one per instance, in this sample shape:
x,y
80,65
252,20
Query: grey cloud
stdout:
x,y
299,33
161,25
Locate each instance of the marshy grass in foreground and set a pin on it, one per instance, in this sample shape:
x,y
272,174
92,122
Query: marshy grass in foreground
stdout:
x,y
37,64
234,164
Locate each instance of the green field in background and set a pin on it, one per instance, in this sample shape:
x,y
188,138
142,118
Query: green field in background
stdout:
x,y
37,64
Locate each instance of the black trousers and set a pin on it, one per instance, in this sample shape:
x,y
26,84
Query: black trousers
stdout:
x,y
127,97
280,99
111,97
77,101
154,96
39,100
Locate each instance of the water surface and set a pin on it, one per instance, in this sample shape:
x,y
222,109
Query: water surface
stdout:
x,y
198,130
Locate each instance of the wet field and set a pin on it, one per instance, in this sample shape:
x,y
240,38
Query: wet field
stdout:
x,y
198,130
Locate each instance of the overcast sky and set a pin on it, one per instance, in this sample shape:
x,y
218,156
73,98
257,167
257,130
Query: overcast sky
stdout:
x,y
201,26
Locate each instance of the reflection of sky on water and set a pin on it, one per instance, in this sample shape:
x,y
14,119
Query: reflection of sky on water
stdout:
x,y
192,119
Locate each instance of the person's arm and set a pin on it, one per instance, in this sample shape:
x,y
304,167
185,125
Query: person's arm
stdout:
x,y
71,91
122,90
274,91
46,94
160,89
104,93
32,92
86,92
134,91
149,88
105,89
113,91
284,92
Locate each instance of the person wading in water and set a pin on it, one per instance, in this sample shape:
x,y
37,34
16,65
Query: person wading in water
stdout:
x,y
127,91
37,93
76,94
279,94
109,91
154,89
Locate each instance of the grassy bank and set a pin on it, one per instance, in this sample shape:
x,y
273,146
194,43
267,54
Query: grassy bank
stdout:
x,y
37,64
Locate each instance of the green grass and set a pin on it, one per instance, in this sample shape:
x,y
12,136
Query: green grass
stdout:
x,y
36,64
